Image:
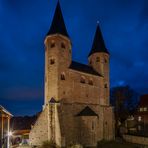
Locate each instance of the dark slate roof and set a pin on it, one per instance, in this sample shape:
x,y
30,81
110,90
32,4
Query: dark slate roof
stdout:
x,y
143,101
83,68
98,43
52,100
87,111
58,25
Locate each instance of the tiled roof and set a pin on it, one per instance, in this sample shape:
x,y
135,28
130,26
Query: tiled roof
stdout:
x,y
87,111
98,43
83,68
58,25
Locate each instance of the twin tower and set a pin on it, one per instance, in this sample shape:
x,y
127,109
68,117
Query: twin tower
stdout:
x,y
76,107
59,51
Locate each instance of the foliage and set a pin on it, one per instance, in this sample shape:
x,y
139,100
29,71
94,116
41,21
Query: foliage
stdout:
x,y
49,144
115,144
125,101
75,146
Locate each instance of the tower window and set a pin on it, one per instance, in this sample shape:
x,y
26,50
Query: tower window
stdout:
x,y
63,45
105,86
52,45
105,60
98,59
82,79
52,61
63,76
90,82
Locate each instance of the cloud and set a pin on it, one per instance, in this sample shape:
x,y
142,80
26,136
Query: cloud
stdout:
x,y
23,94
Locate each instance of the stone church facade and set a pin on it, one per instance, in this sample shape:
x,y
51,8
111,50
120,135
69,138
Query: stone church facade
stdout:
x,y
76,107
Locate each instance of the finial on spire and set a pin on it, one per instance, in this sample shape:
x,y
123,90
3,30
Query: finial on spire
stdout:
x,y
58,25
98,22
98,43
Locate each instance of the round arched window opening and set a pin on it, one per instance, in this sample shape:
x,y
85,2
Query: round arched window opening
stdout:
x,y
82,79
63,76
52,61
90,82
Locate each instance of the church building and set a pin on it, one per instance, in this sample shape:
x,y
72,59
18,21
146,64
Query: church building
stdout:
x,y
76,108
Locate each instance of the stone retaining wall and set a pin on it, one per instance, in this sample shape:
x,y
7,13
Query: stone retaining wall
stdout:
x,y
136,139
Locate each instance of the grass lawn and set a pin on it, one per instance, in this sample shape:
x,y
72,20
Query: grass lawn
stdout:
x,y
115,144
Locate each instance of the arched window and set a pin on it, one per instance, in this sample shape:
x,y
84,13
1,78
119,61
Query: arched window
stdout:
x,y
105,60
82,79
105,86
52,61
90,82
63,76
52,45
98,59
63,45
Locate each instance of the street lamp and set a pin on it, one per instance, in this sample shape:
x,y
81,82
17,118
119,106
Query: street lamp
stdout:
x,y
9,135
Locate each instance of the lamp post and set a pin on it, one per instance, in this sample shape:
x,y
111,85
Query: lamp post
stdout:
x,y
8,139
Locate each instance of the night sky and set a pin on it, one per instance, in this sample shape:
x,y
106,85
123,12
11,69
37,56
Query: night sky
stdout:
x,y
23,27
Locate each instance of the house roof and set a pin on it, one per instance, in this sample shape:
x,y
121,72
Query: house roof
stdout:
x,y
98,43
87,111
58,24
5,111
83,68
143,100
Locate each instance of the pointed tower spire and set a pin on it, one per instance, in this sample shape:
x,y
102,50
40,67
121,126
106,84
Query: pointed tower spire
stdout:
x,y
58,25
98,43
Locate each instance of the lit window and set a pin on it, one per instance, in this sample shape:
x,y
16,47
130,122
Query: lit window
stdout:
x,y
145,109
139,118
141,109
52,61
63,76
82,79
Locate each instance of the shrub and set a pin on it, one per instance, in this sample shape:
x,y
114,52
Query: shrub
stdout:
x,y
49,144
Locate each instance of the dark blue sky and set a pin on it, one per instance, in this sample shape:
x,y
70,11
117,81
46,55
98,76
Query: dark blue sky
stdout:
x,y
24,24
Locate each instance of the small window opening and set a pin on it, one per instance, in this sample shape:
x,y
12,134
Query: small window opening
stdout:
x,y
98,59
63,76
90,82
82,79
52,61
63,45
105,86
52,45
105,60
